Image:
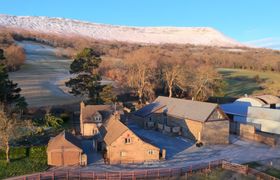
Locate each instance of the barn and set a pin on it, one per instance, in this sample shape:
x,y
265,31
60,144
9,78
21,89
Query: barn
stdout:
x,y
200,121
262,112
65,150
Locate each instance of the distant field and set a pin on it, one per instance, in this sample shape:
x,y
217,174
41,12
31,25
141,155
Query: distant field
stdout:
x,y
242,82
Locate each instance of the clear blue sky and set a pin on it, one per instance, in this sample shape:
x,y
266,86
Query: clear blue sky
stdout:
x,y
243,20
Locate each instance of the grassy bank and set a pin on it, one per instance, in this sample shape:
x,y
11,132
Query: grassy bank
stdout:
x,y
249,82
23,161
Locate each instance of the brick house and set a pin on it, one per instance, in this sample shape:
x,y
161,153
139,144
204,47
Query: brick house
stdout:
x,y
200,121
122,145
65,150
92,117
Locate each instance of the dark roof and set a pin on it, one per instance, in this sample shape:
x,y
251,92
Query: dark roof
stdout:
x,y
181,108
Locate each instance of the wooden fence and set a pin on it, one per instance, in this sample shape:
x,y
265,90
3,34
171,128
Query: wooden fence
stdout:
x,y
144,174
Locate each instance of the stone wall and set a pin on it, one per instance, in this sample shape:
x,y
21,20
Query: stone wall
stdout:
x,y
215,132
189,128
135,152
89,129
248,131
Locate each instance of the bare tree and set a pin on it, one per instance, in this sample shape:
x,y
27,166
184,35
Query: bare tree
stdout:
x,y
173,74
205,82
140,68
10,129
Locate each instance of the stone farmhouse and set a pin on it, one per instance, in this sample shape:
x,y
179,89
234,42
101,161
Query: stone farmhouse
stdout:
x,y
92,117
199,121
64,150
121,145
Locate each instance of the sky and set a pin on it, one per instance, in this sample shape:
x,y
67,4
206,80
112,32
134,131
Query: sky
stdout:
x,y
256,22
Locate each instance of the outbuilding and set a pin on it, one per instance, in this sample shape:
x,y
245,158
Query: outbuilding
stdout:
x,y
200,121
65,150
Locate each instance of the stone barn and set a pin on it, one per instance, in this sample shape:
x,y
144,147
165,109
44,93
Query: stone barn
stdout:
x,y
121,145
65,150
200,121
92,117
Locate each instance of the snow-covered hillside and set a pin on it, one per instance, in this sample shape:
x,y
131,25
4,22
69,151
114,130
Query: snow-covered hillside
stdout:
x,y
155,35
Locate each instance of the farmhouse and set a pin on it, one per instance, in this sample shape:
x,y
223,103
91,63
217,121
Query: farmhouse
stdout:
x,y
263,112
64,150
92,117
122,145
200,121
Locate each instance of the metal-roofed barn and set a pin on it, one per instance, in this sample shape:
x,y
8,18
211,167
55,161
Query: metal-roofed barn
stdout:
x,y
201,121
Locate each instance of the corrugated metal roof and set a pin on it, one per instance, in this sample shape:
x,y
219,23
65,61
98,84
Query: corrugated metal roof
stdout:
x,y
269,99
236,108
181,108
264,113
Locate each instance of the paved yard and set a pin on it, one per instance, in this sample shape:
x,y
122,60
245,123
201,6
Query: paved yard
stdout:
x,y
182,152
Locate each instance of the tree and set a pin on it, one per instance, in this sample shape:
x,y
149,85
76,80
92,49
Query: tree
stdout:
x,y
107,96
53,121
205,82
173,75
140,70
10,129
9,91
87,78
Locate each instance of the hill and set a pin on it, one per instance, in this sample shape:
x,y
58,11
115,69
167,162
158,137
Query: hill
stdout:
x,y
144,35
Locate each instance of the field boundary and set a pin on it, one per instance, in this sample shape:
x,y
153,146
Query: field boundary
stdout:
x,y
148,173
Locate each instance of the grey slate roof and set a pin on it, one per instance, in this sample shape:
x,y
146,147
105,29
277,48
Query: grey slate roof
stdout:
x,y
112,129
181,108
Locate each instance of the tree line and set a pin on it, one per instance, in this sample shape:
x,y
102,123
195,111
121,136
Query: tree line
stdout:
x,y
242,57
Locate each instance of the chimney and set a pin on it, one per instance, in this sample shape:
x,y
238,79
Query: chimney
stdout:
x,y
82,105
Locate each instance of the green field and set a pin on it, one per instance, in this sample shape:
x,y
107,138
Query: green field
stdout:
x,y
240,82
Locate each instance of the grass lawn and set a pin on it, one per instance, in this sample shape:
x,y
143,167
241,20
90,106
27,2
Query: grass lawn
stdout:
x,y
23,161
242,82
220,174
273,172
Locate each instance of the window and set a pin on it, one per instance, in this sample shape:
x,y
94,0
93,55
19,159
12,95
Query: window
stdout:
x,y
95,131
150,152
127,140
123,154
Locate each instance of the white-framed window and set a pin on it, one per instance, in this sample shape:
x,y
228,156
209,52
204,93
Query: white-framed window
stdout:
x,y
127,140
123,154
151,152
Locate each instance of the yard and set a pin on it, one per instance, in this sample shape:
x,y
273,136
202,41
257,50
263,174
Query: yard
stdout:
x,y
182,152
23,161
242,82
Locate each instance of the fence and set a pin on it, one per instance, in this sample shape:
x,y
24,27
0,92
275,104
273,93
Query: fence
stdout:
x,y
145,174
